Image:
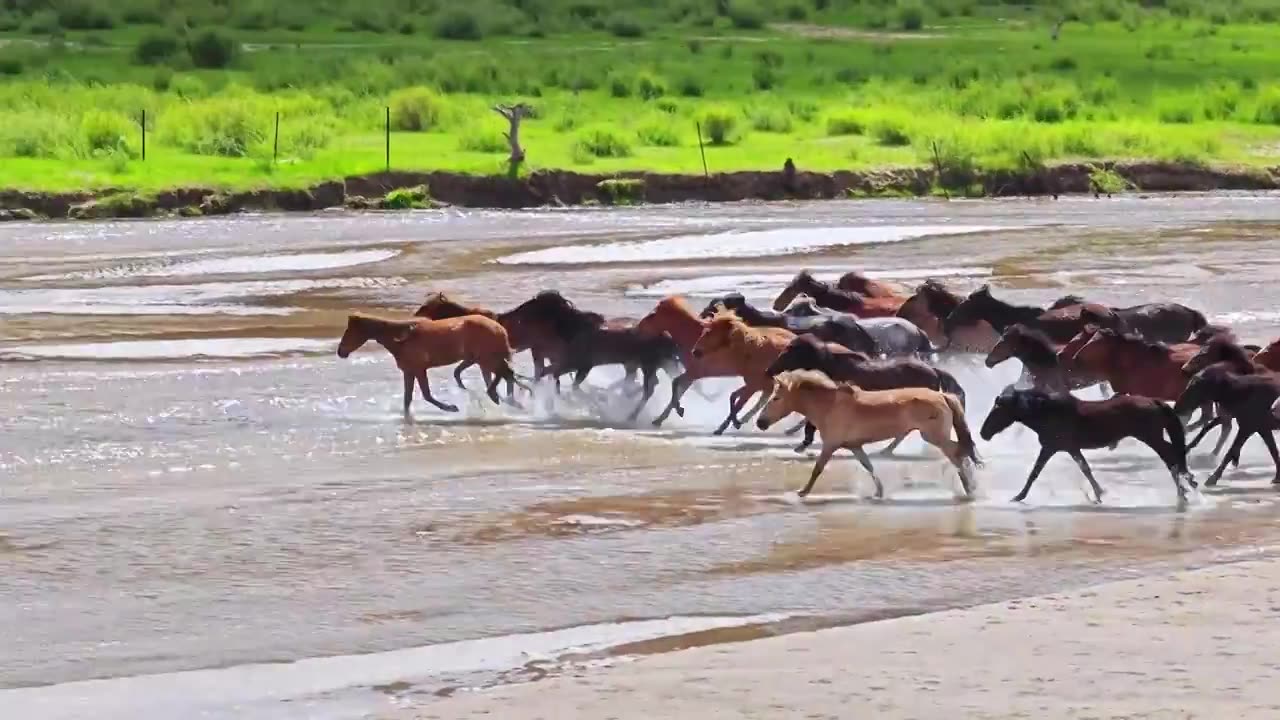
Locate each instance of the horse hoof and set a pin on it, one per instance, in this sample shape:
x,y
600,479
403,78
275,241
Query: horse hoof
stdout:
x,y
799,449
1018,498
680,411
449,408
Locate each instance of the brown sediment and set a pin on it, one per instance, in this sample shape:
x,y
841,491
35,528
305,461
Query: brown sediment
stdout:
x,y
557,187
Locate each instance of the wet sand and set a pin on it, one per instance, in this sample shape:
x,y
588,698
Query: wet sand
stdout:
x,y
1186,645
203,511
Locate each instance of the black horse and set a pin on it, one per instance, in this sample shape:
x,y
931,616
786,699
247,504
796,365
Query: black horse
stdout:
x,y
807,353
1067,424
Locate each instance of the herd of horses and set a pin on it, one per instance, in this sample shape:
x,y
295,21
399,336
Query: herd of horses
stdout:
x,y
857,360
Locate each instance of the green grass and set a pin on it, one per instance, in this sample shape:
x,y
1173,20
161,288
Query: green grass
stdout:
x,y
984,84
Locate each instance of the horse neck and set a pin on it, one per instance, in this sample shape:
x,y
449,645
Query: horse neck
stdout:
x,y
808,401
684,328
1001,314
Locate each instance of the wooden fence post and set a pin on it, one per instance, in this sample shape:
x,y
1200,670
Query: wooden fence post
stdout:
x,y
703,150
144,135
275,147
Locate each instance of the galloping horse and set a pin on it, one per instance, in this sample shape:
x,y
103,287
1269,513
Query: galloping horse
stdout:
x,y
1068,424
843,329
854,281
931,304
1157,322
894,336
1248,399
728,341
418,345
1039,358
836,299
673,316
1060,321
1269,356
438,306
849,417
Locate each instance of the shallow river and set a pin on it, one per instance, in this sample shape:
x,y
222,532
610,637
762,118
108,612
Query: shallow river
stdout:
x,y
196,494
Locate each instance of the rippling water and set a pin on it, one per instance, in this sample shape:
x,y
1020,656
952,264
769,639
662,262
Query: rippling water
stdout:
x,y
192,485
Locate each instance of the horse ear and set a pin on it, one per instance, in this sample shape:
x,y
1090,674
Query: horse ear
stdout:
x,y
984,290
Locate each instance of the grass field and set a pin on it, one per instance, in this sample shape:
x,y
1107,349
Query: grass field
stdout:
x,y
833,85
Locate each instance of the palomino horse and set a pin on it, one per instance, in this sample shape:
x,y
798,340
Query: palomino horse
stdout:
x,y
836,299
729,342
894,336
1248,399
842,329
1068,424
931,304
418,345
841,365
854,281
849,417
674,316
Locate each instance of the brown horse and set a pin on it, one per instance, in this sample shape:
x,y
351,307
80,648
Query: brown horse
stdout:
x,y
832,297
729,342
674,316
1040,360
849,417
1135,366
1249,399
1068,424
1060,321
439,306
857,282
418,345
930,306
1269,356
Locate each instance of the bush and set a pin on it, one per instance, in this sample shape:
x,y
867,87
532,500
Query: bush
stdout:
x,y
156,48
624,25
222,126
910,15
104,132
718,125
667,106
1267,111
85,15
620,85
773,120
35,134
416,109
803,110
690,86
1054,106
212,49
458,23
657,134
188,87
764,77
891,131
745,14
410,198
846,123
1178,110
650,87
483,141
44,22
796,12
601,143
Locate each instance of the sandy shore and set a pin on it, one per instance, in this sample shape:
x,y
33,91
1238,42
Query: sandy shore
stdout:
x,y
1198,644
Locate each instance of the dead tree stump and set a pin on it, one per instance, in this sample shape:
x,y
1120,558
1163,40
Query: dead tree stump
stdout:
x,y
514,114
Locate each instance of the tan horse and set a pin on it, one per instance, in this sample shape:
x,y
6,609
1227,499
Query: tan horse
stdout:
x,y
729,342
418,345
674,316
849,417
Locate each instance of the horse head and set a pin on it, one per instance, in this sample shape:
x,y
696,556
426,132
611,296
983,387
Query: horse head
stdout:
x,y
970,310
803,282
717,335
803,306
363,328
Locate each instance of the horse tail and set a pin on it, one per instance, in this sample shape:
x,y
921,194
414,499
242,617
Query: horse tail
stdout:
x,y
948,384
968,448
1177,436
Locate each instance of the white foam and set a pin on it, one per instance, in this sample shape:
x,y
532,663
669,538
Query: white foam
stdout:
x,y
261,690
761,284
167,349
758,243
201,299
234,265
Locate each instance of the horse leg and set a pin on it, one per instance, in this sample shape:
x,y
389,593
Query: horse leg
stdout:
x,y
894,445
1270,441
865,462
491,387
650,382
1088,473
1206,416
737,399
941,439
810,430
1041,459
1233,451
457,372
408,392
1222,438
823,458
678,388
426,394
765,394
1205,431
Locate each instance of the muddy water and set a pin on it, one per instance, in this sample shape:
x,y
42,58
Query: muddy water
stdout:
x,y
203,510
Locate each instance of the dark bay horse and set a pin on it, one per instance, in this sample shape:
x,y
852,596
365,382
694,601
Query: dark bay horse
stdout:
x,y
832,297
1157,322
1067,424
1060,321
807,353
418,345
1040,360
843,329
931,304
1248,399
895,336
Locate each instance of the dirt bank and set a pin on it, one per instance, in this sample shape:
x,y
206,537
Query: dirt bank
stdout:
x,y
544,188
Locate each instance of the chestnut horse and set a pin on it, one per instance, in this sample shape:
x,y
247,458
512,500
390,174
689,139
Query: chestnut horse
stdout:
x,y
439,306
833,297
418,345
854,281
1269,356
728,341
931,304
674,316
1135,366
849,417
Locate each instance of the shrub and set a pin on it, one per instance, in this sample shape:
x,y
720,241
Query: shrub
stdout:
x,y
1267,111
458,23
416,109
85,15
770,119
1177,110
1063,63
302,136
764,77
650,87
891,131
624,25
657,134
188,87
104,131
690,86
846,123
667,106
718,125
1054,106
796,12
409,198
225,126
483,141
212,49
35,134
602,143
620,85
803,110
43,22
156,47
910,15
745,14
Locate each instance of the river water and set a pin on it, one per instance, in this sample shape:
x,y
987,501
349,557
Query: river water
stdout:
x,y
204,512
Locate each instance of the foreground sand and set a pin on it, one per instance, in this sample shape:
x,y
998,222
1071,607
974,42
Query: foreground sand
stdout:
x,y
1198,644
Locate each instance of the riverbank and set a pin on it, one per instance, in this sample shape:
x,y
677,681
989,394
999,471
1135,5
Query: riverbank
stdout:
x,y
1187,645
408,190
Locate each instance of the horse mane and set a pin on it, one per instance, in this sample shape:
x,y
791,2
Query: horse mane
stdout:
x,y
1040,349
1067,301
1228,350
1033,400
793,379
559,312
366,321
1137,341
